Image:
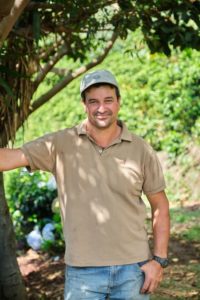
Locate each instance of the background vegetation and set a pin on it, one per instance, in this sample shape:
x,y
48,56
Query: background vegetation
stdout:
x,y
47,32
160,102
160,97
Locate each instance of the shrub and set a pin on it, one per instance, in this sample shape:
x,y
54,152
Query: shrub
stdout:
x,y
30,196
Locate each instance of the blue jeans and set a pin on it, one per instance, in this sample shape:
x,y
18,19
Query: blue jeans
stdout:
x,y
99,283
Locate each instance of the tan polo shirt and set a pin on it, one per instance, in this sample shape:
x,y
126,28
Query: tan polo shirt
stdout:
x,y
99,191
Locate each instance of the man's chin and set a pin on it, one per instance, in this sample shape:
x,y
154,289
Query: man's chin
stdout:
x,y
102,124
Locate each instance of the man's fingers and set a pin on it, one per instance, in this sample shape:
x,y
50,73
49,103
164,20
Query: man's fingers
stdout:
x,y
145,287
153,276
149,286
153,286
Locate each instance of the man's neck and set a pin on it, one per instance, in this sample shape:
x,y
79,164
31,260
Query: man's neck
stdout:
x,y
103,137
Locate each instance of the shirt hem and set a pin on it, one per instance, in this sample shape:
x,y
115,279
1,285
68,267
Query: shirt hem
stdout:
x,y
110,263
160,189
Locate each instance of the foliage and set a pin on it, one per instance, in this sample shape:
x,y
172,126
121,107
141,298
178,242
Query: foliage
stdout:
x,y
30,197
165,93
51,30
192,234
47,31
184,223
160,97
181,278
58,244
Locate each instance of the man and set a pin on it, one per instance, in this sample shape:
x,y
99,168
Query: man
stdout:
x,y
101,170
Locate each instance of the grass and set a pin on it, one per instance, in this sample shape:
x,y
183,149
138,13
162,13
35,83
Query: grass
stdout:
x,y
182,277
185,223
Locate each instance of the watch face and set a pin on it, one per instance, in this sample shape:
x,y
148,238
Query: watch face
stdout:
x,y
162,261
165,263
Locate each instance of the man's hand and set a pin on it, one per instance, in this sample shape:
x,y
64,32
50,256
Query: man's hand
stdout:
x,y
153,276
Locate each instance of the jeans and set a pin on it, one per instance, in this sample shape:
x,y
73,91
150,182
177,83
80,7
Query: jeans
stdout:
x,y
122,282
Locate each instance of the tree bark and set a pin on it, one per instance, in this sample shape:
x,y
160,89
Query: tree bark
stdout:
x,y
11,283
7,23
5,8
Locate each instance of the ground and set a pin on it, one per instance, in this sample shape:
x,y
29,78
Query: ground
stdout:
x,y
44,274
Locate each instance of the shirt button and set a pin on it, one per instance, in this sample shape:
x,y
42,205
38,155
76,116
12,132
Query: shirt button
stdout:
x,y
100,151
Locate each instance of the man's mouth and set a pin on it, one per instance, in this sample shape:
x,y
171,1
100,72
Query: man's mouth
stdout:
x,y
102,117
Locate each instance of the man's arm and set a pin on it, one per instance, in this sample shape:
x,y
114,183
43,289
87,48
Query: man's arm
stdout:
x,y
12,159
161,230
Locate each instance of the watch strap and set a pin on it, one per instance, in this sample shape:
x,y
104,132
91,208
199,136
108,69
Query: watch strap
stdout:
x,y
164,262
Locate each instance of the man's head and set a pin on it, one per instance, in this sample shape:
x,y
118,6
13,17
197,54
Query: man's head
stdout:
x,y
96,79
101,98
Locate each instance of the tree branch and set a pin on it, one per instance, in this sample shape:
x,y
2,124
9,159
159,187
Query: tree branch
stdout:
x,y
60,71
41,5
51,49
5,8
8,22
49,66
72,75
60,6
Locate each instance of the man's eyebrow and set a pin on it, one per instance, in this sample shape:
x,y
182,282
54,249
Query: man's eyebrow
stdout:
x,y
109,98
91,99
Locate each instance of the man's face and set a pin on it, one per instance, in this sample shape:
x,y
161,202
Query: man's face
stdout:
x,y
102,106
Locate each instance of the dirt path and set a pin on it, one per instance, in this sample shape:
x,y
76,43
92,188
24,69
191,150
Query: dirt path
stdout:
x,y
44,276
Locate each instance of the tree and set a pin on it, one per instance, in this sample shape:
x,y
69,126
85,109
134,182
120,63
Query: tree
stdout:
x,y
9,13
48,32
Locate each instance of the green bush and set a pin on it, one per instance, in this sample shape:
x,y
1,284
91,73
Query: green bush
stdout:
x,y
30,197
160,97
58,245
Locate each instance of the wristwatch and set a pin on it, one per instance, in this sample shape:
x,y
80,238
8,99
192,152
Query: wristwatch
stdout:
x,y
164,262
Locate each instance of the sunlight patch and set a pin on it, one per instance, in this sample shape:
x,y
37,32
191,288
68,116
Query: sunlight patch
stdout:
x,y
101,213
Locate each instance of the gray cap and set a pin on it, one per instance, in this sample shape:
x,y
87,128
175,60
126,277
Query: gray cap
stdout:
x,y
99,76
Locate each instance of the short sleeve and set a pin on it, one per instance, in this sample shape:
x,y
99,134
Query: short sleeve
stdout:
x,y
154,181
41,153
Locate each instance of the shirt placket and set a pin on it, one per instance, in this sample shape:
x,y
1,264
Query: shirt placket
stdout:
x,y
100,150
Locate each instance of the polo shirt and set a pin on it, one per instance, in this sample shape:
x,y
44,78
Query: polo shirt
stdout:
x,y
99,190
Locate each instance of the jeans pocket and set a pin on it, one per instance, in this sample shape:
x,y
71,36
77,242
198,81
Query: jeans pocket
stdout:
x,y
141,263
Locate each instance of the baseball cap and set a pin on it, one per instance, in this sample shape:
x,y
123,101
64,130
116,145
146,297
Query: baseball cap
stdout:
x,y
99,76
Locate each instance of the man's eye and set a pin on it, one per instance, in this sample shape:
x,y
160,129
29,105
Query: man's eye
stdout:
x,y
92,102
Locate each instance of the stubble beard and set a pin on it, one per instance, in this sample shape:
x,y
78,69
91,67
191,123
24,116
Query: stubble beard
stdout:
x,y
104,123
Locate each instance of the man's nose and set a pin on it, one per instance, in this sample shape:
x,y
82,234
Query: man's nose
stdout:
x,y
101,107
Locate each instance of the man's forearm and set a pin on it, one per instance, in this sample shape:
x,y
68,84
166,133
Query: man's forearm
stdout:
x,y
12,159
161,228
161,232
160,223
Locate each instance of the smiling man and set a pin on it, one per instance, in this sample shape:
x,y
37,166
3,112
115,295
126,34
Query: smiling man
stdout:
x,y
102,170
102,106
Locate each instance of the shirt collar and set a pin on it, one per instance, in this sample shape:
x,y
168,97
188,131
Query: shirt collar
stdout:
x,y
125,134
81,128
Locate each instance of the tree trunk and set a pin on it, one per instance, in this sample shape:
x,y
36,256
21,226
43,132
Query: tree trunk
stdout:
x,y
11,283
7,23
